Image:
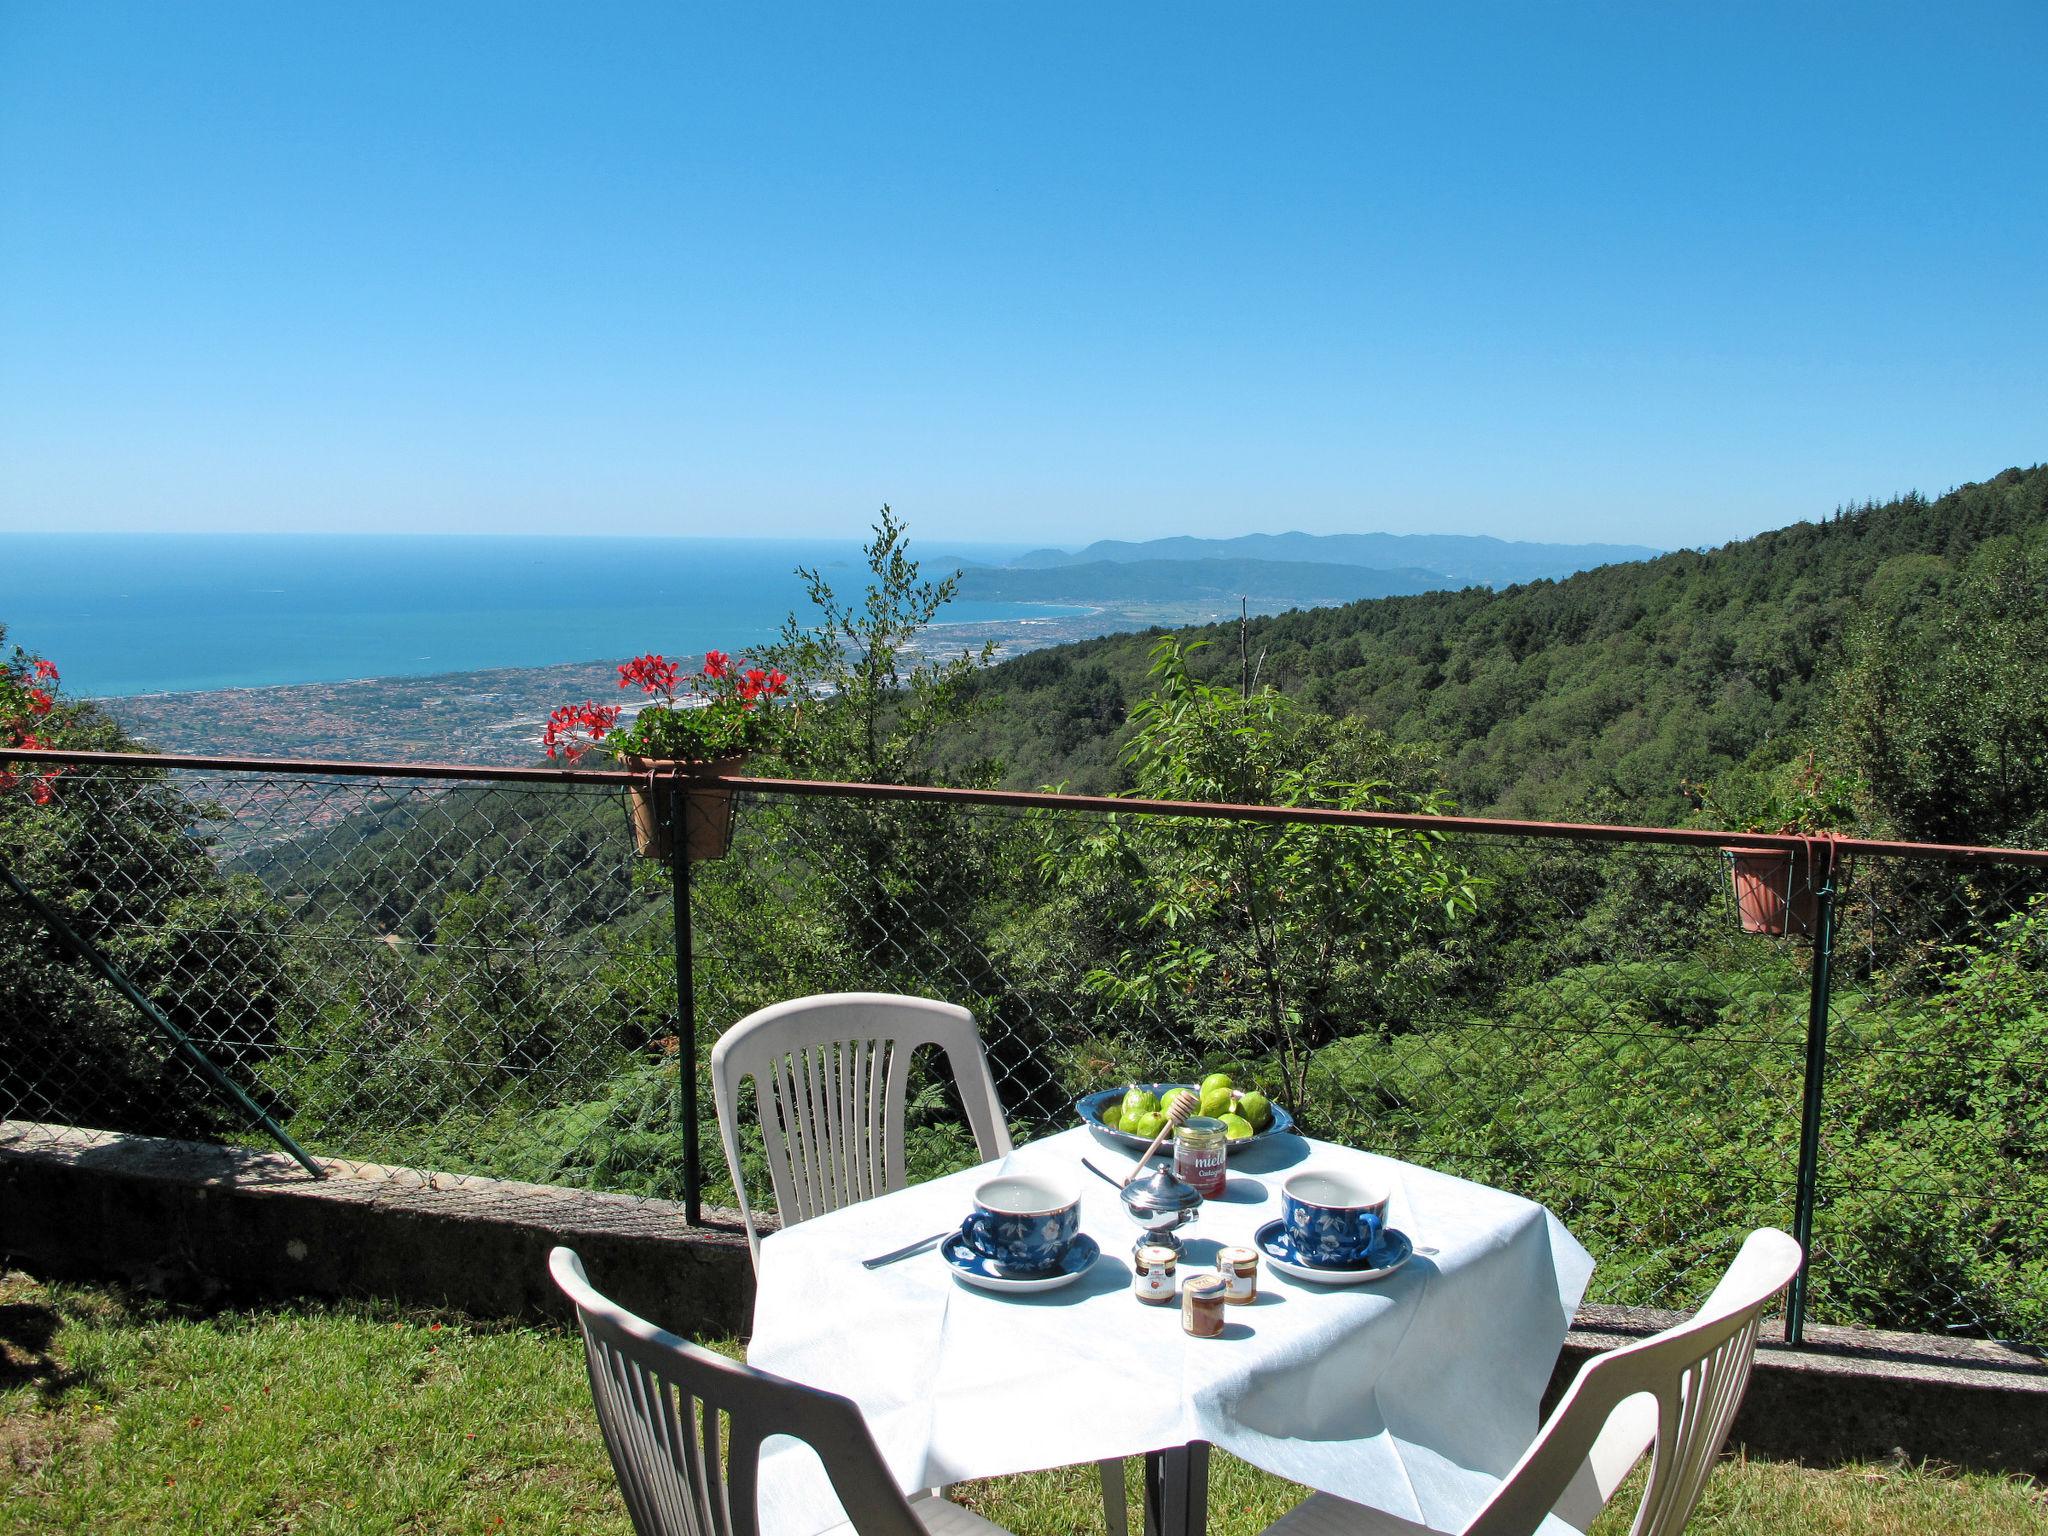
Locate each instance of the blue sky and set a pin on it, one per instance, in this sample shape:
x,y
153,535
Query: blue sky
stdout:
x,y
1655,274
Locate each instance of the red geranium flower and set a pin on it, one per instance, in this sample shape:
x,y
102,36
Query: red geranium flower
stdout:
x,y
25,701
571,720
653,674
707,716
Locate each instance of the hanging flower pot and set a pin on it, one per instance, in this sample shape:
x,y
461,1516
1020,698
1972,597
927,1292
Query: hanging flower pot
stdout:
x,y
681,744
1775,892
706,806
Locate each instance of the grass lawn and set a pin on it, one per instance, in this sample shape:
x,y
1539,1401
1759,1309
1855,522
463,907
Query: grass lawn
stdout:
x,y
120,1415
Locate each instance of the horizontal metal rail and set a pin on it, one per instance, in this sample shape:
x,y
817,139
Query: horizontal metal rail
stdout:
x,y
1479,826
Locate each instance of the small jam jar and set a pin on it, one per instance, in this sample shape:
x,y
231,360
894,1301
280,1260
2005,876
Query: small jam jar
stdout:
x,y
1239,1268
1200,1150
1152,1273
1201,1306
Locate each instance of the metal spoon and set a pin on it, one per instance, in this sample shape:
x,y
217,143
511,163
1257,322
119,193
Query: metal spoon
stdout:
x,y
906,1250
1117,1184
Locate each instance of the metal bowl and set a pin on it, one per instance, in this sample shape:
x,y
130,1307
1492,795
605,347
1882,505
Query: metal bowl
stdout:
x,y
1090,1106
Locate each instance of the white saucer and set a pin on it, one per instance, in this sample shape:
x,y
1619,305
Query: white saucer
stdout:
x,y
1389,1253
968,1264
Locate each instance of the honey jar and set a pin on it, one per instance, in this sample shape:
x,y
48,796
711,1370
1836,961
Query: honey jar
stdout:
x,y
1201,1148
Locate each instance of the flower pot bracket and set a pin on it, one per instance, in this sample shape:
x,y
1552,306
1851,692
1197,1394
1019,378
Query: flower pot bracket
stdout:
x,y
707,807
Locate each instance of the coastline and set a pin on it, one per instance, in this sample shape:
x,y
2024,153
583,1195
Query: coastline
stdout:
x,y
490,716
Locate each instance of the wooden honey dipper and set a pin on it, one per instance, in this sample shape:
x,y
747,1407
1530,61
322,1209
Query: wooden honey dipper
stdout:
x,y
1178,1108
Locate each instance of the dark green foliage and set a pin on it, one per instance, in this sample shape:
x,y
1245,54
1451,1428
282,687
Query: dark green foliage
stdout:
x,y
1665,1132
125,860
1647,1104
1947,1090
1943,706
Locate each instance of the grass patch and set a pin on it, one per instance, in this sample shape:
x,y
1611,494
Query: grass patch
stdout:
x,y
125,1414
1744,1498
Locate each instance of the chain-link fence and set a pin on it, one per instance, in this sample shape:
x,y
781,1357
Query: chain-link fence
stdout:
x,y
475,975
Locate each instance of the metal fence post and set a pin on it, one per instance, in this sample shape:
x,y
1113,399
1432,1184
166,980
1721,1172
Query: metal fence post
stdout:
x,y
1815,1082
686,1002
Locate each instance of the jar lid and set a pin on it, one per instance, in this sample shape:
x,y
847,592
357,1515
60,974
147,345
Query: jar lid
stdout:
x,y
1201,1125
1161,1191
1157,1255
1200,1286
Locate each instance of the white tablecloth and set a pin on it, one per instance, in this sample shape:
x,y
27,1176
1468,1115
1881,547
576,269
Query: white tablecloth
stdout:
x,y
1414,1393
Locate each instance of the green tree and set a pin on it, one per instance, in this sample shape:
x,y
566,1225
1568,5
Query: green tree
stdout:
x,y
876,704
875,708
1260,940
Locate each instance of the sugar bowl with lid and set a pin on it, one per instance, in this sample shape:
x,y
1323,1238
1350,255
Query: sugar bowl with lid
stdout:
x,y
1161,1204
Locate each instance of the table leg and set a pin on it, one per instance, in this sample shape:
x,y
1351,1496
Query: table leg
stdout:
x,y
1177,1490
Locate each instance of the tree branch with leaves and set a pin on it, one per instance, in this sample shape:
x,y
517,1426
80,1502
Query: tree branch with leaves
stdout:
x,y
1266,941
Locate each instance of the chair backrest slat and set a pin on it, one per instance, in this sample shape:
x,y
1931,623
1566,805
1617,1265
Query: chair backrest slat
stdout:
x,y
684,1427
831,1078
1696,1372
706,1457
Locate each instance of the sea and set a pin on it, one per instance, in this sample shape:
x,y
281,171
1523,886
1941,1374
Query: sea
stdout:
x,y
123,614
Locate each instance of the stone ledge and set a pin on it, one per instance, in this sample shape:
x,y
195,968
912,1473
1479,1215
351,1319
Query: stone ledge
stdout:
x,y
1862,1394
252,1224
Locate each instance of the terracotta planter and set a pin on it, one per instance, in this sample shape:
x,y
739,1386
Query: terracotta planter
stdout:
x,y
1775,891
707,809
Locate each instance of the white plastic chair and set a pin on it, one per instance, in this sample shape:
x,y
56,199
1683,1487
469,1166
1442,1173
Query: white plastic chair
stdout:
x,y
1674,1393
684,1427
831,1075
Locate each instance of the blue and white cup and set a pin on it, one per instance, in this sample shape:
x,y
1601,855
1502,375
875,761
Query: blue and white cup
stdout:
x,y
1024,1220
1333,1219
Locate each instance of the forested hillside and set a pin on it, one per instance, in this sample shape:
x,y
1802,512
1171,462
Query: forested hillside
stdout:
x,y
1604,694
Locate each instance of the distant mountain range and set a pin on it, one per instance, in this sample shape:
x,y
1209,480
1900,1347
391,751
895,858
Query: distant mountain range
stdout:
x,y
1288,582
1446,558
